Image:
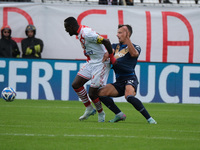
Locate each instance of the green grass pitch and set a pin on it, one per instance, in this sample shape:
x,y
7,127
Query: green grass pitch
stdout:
x,y
54,125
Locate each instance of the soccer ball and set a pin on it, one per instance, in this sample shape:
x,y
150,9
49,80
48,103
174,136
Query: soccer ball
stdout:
x,y
8,94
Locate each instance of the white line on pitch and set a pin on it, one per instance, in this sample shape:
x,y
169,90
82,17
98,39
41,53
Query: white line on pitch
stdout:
x,y
100,128
93,135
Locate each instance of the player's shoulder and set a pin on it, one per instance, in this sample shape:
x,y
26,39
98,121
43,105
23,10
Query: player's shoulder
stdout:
x,y
89,33
114,45
86,29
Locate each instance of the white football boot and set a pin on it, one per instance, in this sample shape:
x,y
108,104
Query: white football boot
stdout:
x,y
151,121
88,112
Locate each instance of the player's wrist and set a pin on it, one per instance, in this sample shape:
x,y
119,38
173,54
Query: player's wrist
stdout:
x,y
112,58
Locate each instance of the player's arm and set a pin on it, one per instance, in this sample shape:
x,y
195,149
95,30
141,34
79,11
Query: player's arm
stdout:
x,y
108,46
133,52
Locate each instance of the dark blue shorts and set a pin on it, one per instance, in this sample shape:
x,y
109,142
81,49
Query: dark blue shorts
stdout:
x,y
122,81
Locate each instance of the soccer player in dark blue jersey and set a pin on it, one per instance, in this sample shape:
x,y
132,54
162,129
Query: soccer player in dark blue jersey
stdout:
x,y
126,54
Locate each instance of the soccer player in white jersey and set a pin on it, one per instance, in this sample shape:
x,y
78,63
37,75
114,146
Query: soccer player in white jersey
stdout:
x,y
95,69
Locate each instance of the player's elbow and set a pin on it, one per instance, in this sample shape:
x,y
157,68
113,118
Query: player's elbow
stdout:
x,y
134,54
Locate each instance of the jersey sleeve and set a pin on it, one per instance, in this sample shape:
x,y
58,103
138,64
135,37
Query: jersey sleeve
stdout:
x,y
138,48
93,37
99,39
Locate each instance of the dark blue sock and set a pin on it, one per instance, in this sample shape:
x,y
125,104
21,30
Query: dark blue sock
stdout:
x,y
110,104
138,106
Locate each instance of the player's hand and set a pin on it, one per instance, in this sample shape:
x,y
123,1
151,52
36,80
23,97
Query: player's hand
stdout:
x,y
105,57
127,32
113,60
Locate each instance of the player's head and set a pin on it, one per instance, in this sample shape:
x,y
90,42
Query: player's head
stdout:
x,y
6,32
71,26
128,27
122,32
30,30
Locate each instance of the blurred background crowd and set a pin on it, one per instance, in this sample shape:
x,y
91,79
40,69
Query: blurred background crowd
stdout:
x,y
115,2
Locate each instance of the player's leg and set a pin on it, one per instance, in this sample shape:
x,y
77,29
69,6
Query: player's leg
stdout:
x,y
108,90
93,94
104,93
78,86
100,74
130,97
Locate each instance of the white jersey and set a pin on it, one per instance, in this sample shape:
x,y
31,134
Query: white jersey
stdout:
x,y
89,41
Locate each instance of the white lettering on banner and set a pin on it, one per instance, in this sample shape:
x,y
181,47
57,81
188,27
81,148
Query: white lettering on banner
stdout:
x,y
169,83
43,81
14,79
2,65
65,77
163,84
151,84
187,84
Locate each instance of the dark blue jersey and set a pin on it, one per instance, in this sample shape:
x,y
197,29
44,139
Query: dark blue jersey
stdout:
x,y
125,63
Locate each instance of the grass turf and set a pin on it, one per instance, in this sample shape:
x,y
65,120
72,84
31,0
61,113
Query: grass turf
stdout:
x,y
54,125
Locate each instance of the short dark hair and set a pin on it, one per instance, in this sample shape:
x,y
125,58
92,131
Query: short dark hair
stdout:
x,y
128,26
71,21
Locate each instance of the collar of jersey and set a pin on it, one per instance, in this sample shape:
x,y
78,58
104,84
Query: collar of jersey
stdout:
x,y
123,45
79,29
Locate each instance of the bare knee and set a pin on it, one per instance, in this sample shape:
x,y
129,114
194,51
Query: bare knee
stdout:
x,y
129,90
75,85
128,94
78,82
